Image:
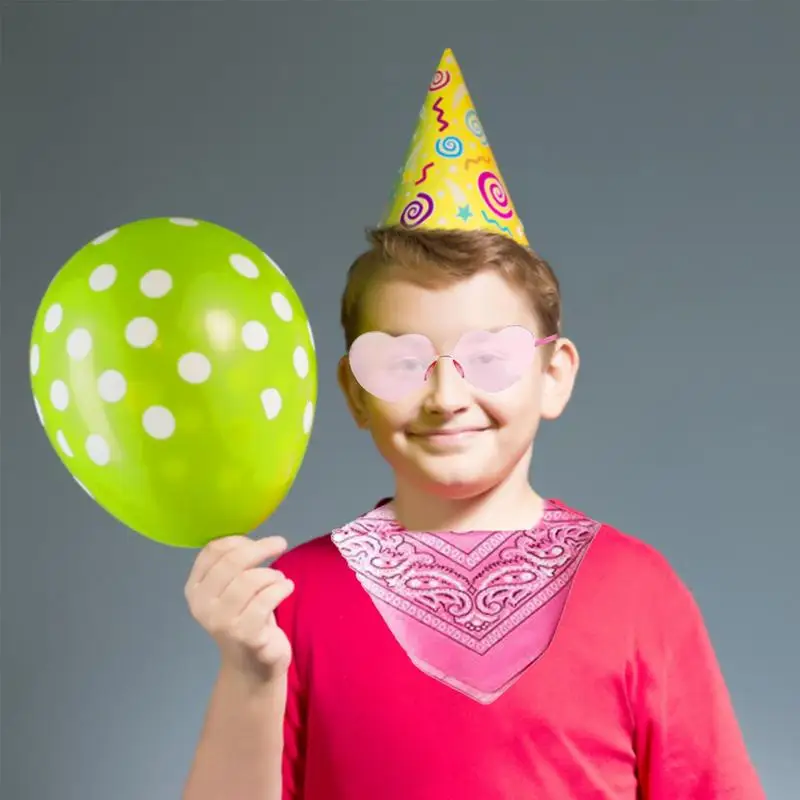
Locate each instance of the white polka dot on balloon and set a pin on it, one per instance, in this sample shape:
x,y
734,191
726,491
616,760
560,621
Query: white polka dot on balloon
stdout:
x,y
300,360
34,359
64,444
282,306
158,422
38,411
243,265
155,283
194,367
141,332
104,237
311,336
98,450
111,386
271,402
59,395
254,335
102,277
53,317
308,417
184,222
79,344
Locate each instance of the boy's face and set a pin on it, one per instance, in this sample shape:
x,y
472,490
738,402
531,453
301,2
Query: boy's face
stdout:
x,y
448,437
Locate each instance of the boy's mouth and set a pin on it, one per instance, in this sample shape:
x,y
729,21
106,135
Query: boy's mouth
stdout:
x,y
449,436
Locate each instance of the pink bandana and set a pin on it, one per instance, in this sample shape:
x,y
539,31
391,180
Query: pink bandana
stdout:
x,y
472,610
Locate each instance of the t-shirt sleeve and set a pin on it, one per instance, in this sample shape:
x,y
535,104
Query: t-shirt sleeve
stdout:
x,y
688,742
294,728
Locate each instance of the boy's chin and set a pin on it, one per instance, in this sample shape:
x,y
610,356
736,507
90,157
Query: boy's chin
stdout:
x,y
456,484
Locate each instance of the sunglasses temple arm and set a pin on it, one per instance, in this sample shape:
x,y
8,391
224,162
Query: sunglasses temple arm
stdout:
x,y
546,340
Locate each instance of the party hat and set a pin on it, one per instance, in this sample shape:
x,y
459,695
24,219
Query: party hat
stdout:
x,y
450,179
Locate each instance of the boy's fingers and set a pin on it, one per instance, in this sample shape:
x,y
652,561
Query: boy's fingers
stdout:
x,y
239,592
211,554
235,553
256,613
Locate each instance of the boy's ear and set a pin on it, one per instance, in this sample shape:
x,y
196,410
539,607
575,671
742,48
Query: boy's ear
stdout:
x,y
353,393
559,378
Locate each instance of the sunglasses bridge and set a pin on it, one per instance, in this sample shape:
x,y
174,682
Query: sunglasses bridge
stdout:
x,y
432,367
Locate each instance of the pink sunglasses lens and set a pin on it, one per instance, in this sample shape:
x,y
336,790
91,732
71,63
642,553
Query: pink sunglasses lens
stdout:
x,y
493,362
390,368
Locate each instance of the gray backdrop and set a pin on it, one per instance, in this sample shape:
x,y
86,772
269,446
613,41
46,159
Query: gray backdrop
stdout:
x,y
651,150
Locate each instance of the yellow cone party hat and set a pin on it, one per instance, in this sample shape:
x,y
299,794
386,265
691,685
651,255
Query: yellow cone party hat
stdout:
x,y
450,179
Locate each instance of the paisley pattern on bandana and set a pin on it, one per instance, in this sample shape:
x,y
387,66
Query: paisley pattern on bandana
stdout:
x,y
478,591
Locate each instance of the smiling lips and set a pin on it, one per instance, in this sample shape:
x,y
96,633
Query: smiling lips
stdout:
x,y
448,434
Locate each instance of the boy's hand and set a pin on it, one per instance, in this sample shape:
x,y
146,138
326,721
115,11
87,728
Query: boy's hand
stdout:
x,y
234,599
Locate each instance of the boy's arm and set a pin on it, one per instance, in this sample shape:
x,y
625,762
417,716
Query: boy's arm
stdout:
x,y
252,744
241,747
688,741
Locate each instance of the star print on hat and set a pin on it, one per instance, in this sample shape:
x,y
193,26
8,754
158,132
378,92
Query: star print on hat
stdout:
x,y
450,179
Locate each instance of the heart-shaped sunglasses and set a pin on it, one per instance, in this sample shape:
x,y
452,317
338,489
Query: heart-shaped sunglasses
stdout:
x,y
393,367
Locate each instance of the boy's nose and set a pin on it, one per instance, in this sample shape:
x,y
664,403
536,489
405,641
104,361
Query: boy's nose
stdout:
x,y
448,391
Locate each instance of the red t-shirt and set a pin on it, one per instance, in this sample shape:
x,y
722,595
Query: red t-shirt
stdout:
x,y
627,703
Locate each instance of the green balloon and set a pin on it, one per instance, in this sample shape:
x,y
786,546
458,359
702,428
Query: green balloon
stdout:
x,y
173,369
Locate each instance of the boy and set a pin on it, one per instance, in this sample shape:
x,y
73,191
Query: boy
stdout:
x,y
467,638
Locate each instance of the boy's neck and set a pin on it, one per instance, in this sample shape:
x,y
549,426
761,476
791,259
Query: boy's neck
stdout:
x,y
511,505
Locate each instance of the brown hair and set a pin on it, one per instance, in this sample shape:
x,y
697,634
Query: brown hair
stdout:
x,y
435,258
